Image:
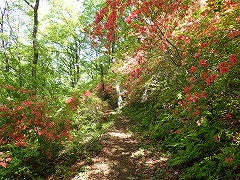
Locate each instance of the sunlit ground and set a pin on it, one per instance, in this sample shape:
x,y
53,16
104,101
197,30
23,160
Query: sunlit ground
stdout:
x,y
121,158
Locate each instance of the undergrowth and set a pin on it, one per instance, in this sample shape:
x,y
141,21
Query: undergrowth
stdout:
x,y
208,151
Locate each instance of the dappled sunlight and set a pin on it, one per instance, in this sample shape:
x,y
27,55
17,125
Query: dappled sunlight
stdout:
x,y
114,161
121,158
101,168
119,89
151,162
120,135
139,152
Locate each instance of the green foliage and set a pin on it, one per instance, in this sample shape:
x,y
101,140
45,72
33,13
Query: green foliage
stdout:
x,y
31,147
208,151
203,147
32,132
177,64
88,123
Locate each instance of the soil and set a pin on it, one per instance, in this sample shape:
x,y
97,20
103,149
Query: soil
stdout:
x,y
122,158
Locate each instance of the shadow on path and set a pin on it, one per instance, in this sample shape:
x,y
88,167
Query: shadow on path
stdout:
x,y
121,159
115,161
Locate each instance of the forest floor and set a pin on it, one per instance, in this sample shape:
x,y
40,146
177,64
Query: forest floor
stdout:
x,y
123,157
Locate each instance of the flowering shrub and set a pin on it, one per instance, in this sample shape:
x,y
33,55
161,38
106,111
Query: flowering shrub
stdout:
x,y
72,103
91,107
192,54
31,125
4,159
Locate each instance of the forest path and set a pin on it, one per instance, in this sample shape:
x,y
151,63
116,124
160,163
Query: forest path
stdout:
x,y
122,158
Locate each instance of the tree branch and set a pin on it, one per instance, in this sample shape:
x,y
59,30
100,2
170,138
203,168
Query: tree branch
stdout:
x,y
176,49
28,3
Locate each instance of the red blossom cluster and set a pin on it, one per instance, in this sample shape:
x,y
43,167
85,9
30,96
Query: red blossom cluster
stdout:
x,y
4,159
72,102
203,63
21,91
210,79
106,21
225,66
29,119
86,94
193,69
194,97
161,33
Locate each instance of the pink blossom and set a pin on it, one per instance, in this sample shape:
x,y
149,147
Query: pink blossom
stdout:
x,y
3,164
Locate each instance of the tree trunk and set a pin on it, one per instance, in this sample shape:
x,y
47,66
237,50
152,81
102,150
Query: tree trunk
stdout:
x,y
4,43
104,96
77,75
35,42
119,95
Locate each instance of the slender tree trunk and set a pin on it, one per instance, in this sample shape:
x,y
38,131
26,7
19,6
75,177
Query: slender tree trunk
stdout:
x,y
118,91
4,43
77,75
35,42
104,96
113,51
72,74
120,100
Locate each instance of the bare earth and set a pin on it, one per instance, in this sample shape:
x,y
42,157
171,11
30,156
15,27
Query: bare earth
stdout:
x,y
121,158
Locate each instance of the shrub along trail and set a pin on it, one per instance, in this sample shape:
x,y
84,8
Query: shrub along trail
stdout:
x,y
124,157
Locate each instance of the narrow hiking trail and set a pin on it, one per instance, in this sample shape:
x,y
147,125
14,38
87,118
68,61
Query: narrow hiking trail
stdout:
x,y
122,158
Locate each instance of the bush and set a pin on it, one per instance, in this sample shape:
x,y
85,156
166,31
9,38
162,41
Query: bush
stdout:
x,y
32,132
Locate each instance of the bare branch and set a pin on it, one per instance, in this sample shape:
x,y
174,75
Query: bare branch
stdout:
x,y
28,3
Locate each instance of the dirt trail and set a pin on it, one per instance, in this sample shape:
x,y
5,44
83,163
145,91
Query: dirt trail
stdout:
x,y
122,159
115,161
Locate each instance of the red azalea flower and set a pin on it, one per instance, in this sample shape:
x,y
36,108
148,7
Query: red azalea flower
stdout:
x,y
214,76
193,69
186,90
3,164
180,37
229,159
223,64
190,99
8,159
233,59
208,81
204,94
204,75
71,100
198,54
203,63
223,70
229,116
198,112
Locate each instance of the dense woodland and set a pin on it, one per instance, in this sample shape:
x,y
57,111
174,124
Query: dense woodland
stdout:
x,y
170,66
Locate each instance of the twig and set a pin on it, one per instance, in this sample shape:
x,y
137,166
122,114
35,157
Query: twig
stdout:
x,y
28,3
